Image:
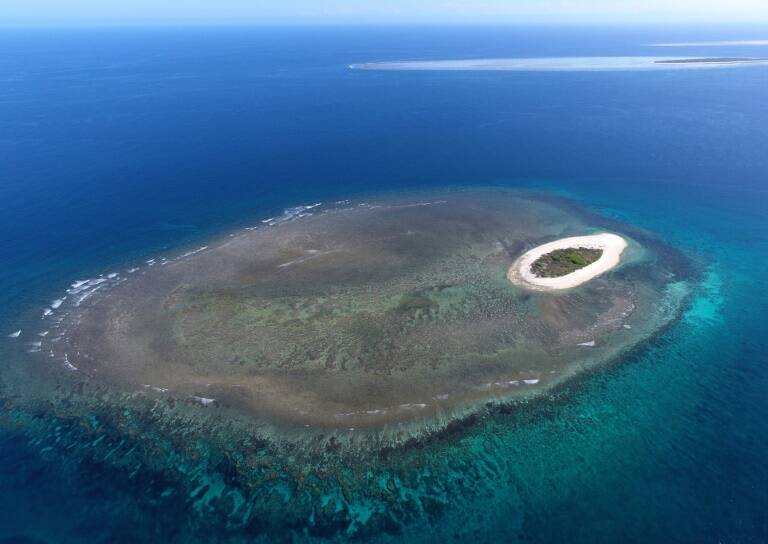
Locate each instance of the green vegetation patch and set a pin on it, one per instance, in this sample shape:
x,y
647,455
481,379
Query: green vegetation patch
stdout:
x,y
564,261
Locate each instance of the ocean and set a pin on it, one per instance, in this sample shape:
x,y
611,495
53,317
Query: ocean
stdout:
x,y
119,145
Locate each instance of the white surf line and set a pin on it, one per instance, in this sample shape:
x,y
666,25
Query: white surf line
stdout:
x,y
15,334
290,214
612,245
80,290
193,252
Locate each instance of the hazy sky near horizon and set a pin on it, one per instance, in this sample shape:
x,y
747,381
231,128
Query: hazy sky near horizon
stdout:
x,y
382,11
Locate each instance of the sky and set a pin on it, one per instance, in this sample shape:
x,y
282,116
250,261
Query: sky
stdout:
x,y
381,11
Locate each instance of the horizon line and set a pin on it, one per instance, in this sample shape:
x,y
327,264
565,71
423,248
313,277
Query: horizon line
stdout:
x,y
201,23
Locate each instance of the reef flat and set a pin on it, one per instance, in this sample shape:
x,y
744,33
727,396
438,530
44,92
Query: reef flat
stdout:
x,y
312,371
361,317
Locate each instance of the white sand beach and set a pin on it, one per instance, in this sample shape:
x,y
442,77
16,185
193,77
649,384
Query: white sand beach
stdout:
x,y
612,245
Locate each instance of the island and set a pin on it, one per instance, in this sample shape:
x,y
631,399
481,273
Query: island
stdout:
x,y
565,64
567,262
714,60
390,317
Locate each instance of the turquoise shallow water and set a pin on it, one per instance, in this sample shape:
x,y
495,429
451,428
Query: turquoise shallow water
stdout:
x,y
666,445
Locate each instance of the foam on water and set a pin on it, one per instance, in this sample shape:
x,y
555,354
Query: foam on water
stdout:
x,y
193,252
291,214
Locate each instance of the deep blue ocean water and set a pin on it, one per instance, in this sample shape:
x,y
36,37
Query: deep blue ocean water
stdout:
x,y
119,144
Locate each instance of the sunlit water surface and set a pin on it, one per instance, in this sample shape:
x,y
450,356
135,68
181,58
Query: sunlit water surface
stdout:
x,y
123,146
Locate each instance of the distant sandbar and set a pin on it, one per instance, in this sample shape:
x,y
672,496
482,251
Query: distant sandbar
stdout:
x,y
565,64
